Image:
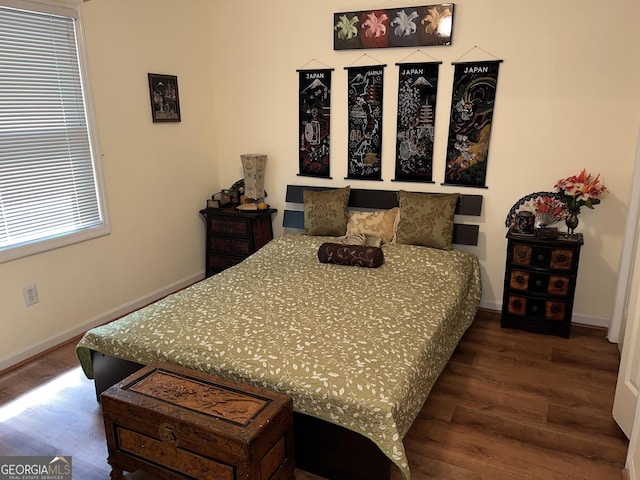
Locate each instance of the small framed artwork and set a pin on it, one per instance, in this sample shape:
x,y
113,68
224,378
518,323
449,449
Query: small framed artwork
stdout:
x,y
165,101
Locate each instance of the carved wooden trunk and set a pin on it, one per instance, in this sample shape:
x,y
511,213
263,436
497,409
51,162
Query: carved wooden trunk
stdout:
x,y
179,423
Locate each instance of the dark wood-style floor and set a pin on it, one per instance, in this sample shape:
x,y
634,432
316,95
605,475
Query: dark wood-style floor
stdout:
x,y
510,405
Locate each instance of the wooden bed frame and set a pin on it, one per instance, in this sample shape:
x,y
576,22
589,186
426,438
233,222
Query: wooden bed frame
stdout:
x,y
321,447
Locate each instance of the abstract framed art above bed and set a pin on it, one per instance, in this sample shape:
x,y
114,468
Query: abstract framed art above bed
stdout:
x,y
358,349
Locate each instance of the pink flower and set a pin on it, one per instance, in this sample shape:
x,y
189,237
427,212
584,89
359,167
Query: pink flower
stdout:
x,y
580,190
375,26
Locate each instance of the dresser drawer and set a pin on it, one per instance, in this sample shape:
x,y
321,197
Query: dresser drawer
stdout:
x,y
230,226
221,262
540,282
542,257
231,245
537,308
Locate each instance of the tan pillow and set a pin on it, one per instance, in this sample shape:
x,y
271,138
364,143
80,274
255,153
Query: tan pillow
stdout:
x,y
380,223
325,212
426,219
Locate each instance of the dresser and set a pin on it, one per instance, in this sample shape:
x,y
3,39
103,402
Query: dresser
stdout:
x,y
233,235
540,282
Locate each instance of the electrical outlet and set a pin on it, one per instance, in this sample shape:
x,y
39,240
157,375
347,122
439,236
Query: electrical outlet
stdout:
x,y
30,293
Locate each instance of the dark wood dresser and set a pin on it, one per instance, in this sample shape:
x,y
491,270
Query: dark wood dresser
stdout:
x,y
177,423
233,235
540,282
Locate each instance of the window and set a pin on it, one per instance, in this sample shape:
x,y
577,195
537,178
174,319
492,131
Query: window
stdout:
x,y
50,180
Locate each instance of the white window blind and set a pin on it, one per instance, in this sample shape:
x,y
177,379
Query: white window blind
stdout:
x,y
49,187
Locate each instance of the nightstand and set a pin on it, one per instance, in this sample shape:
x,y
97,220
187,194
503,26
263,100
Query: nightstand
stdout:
x,y
539,282
233,235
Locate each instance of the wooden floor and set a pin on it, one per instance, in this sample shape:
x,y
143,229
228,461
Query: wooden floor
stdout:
x,y
510,405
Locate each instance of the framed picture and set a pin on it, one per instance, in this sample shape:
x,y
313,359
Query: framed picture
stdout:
x,y
165,101
428,25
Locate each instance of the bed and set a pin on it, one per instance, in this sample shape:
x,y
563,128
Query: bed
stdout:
x,y
358,349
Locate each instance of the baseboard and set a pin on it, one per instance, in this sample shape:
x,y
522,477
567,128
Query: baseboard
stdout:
x,y
61,338
582,319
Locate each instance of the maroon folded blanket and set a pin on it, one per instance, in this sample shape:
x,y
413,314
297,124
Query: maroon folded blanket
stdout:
x,y
357,255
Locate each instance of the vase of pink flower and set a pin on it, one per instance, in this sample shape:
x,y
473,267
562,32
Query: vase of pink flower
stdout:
x,y
583,190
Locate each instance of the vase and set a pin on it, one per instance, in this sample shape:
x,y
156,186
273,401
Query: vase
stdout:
x,y
571,221
254,166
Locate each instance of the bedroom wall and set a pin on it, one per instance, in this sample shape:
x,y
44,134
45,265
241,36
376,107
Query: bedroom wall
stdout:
x,y
156,176
567,99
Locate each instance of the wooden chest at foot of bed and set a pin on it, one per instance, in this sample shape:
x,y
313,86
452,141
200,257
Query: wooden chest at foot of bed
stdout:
x,y
178,423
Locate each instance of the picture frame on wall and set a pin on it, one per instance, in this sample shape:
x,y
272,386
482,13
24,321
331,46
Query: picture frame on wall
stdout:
x,y
165,101
427,25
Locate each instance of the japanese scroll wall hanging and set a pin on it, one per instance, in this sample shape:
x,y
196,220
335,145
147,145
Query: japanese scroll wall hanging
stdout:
x,y
417,88
314,122
474,93
365,85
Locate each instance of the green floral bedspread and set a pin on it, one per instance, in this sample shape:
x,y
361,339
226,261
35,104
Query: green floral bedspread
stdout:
x,y
359,347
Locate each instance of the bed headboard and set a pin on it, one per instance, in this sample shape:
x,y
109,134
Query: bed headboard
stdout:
x,y
463,233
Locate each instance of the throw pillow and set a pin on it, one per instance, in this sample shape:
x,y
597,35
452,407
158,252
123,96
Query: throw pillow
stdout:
x,y
325,211
380,223
426,219
356,255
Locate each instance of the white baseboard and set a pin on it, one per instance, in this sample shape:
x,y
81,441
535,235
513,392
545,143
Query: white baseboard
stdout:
x,y
577,317
101,319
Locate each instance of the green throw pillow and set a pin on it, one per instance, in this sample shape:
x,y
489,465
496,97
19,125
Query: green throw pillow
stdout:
x,y
426,219
325,212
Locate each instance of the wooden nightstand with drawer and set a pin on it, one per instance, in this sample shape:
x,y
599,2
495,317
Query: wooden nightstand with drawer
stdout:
x,y
233,235
539,282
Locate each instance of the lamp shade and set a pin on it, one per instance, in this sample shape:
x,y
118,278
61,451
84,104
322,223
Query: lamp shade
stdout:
x,y
254,166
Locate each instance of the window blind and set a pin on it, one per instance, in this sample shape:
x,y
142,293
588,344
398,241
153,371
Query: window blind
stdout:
x,y
48,184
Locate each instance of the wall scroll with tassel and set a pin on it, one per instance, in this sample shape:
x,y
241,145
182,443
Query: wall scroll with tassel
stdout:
x,y
474,94
365,86
314,122
417,89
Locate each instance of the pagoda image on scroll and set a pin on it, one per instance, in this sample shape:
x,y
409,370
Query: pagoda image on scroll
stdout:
x,y
417,91
365,122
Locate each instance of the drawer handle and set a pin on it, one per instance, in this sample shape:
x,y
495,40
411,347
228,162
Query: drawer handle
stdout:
x,y
562,258
540,257
556,309
538,283
519,279
166,433
534,309
517,304
558,284
522,254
